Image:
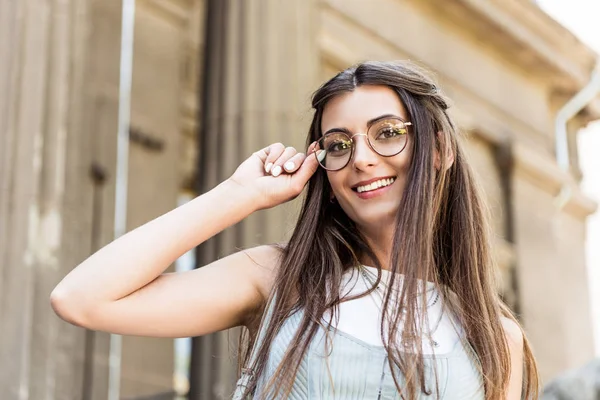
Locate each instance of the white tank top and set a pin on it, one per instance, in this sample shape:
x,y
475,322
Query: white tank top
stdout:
x,y
361,317
357,365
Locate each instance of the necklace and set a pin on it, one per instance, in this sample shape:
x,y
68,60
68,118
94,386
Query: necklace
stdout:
x,y
370,279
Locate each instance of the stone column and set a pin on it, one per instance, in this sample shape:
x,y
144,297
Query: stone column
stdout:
x,y
154,156
260,70
45,226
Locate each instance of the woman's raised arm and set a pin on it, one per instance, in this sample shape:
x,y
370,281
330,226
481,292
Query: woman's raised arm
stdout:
x,y
122,288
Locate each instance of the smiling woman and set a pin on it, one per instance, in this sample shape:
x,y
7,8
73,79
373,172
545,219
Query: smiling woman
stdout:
x,y
369,191
384,290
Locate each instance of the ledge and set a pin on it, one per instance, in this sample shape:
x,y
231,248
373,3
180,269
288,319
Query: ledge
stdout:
x,y
544,173
532,38
540,170
580,205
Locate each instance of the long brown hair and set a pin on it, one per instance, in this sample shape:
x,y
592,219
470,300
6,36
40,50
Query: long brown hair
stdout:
x,y
442,235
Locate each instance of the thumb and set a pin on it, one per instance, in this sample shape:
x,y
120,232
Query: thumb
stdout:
x,y
308,168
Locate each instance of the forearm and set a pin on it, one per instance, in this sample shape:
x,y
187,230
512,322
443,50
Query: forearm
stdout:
x,y
138,257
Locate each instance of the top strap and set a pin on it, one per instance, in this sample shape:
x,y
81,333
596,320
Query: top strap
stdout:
x,y
262,331
248,370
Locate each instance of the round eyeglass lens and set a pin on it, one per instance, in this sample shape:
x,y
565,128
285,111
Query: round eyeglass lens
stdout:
x,y
334,150
388,137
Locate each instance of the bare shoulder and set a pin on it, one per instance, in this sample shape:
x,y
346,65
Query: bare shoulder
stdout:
x,y
513,333
515,340
264,262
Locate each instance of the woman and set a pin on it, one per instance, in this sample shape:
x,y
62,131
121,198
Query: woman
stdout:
x,y
385,289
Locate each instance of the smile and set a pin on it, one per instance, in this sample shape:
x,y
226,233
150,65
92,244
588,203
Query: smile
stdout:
x,y
375,185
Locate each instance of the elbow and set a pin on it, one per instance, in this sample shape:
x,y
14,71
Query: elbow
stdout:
x,y
68,307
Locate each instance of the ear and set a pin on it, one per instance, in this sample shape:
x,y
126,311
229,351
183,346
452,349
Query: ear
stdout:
x,y
442,143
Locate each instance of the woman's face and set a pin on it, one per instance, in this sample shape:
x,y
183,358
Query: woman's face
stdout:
x,y
368,207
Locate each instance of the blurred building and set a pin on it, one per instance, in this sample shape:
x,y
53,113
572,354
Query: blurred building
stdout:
x,y
215,80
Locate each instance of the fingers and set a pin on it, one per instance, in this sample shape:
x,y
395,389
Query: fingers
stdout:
x,y
294,163
308,167
284,158
273,152
262,154
278,159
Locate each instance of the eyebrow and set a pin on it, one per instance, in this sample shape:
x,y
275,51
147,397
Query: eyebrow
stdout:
x,y
369,123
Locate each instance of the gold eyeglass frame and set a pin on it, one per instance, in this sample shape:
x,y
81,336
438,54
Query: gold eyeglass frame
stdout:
x,y
353,144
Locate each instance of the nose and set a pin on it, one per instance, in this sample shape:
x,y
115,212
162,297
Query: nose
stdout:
x,y
364,156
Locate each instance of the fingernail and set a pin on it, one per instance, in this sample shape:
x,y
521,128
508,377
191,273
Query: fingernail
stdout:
x,y
289,166
268,167
276,171
321,155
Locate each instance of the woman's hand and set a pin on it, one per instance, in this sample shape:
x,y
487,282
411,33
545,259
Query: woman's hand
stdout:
x,y
276,174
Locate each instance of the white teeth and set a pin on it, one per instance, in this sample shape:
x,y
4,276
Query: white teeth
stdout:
x,y
375,185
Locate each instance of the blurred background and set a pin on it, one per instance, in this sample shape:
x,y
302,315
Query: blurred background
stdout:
x,y
212,81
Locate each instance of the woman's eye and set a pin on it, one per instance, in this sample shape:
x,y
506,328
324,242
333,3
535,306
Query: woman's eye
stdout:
x,y
388,133
339,146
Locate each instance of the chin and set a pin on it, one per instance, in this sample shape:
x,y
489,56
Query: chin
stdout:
x,y
378,219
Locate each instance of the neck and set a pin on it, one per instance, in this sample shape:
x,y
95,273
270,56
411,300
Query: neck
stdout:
x,y
380,240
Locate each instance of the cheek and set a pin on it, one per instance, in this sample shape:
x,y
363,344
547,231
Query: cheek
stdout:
x,y
335,181
403,160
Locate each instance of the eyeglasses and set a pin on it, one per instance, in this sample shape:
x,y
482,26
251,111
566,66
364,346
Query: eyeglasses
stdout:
x,y
387,137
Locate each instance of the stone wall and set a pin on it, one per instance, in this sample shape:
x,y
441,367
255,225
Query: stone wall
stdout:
x,y
58,122
163,66
46,193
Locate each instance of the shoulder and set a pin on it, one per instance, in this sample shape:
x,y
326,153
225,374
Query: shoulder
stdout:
x,y
263,264
513,333
515,340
